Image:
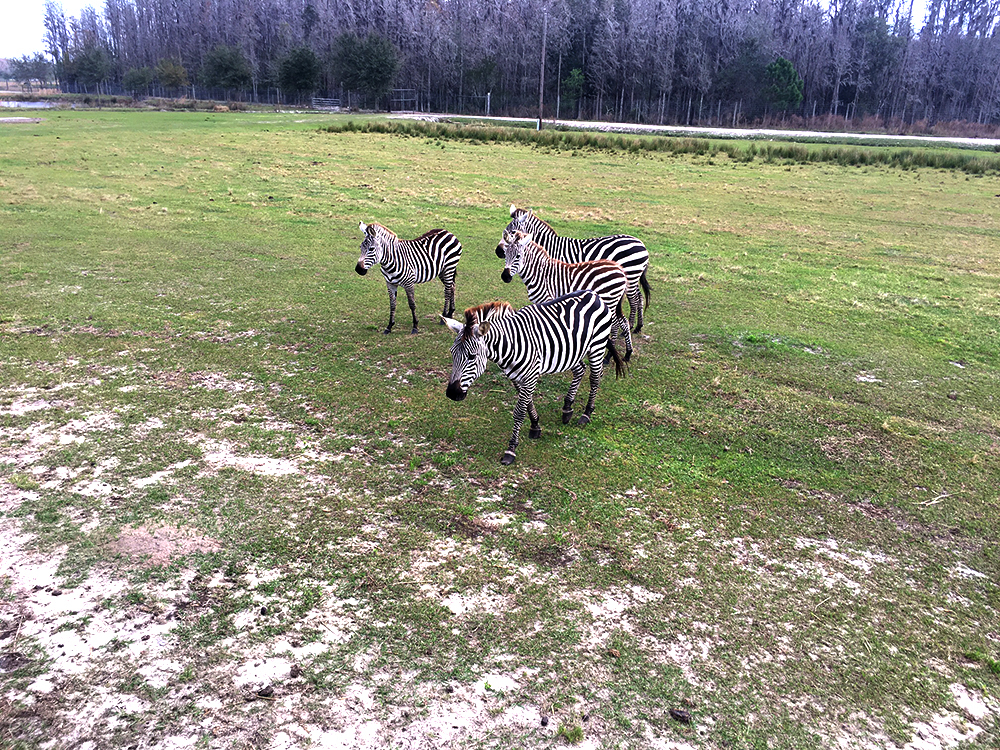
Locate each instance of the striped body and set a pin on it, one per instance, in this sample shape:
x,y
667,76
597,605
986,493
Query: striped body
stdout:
x,y
554,336
546,278
623,249
406,263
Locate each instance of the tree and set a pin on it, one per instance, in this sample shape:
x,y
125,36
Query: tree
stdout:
x,y
367,65
56,37
136,80
226,68
92,67
171,74
784,89
28,69
572,88
745,78
299,71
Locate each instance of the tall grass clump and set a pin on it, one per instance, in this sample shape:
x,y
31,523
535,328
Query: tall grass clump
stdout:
x,y
577,140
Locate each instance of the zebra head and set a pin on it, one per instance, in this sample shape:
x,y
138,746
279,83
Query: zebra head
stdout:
x,y
468,355
513,254
519,222
372,246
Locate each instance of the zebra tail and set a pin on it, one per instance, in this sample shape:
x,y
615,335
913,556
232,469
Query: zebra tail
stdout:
x,y
645,289
621,369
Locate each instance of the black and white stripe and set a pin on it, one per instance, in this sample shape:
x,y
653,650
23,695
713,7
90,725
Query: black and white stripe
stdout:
x,y
538,339
546,278
625,250
407,263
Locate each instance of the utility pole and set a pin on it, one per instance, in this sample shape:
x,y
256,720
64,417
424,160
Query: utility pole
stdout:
x,y
541,76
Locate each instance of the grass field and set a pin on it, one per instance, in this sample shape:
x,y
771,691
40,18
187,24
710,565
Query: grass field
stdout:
x,y
234,514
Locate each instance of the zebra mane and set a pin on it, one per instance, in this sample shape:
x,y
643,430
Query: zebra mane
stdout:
x,y
428,234
541,221
486,311
377,228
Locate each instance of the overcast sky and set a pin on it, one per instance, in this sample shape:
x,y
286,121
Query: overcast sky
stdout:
x,y
23,25
22,29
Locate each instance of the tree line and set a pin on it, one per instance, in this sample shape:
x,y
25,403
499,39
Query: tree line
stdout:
x,y
726,62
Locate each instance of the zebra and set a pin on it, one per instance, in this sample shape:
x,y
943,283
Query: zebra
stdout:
x,y
409,262
546,277
549,337
624,249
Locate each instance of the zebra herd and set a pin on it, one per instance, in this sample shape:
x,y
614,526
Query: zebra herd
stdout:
x,y
577,290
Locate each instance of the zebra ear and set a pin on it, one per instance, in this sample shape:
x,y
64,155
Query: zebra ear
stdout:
x,y
453,325
484,327
513,210
363,227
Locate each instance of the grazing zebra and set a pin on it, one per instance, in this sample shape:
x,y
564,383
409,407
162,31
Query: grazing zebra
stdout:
x,y
624,249
406,263
548,337
546,278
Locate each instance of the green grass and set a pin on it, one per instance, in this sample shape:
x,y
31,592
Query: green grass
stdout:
x,y
777,506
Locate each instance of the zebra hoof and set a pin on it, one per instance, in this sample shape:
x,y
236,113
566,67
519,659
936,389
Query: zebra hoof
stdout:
x,y
567,415
628,355
387,331
535,432
583,420
414,331
508,458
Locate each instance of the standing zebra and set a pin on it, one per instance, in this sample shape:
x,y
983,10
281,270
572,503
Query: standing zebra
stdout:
x,y
538,339
546,278
406,263
624,249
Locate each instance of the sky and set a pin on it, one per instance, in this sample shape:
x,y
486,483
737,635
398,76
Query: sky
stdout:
x,y
23,26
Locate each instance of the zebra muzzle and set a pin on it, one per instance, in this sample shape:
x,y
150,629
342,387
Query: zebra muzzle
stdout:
x,y
455,392
506,276
360,269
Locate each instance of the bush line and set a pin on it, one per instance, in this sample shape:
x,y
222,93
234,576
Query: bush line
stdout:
x,y
784,153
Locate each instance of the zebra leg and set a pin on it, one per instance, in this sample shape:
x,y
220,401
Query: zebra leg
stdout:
x,y
621,327
596,371
411,300
525,393
392,308
627,335
449,297
634,294
536,429
567,411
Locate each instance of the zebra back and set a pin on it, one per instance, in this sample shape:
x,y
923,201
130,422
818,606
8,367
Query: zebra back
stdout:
x,y
627,251
552,336
546,277
434,253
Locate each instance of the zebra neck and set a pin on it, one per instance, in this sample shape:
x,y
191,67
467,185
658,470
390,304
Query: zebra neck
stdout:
x,y
540,229
391,253
534,272
495,341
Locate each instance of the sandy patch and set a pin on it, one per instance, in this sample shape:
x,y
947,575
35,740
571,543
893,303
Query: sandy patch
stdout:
x,y
152,547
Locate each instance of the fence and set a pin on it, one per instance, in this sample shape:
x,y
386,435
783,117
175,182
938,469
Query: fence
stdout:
x,y
403,99
320,103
